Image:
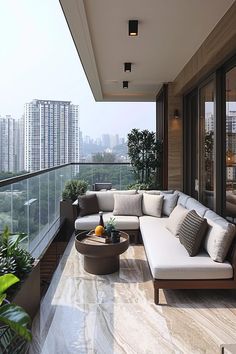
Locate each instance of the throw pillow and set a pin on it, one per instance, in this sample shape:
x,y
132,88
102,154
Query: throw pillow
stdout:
x,y
192,232
152,204
169,203
88,204
176,219
218,240
127,204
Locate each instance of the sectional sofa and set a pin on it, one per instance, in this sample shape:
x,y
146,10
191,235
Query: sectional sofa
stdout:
x,y
169,262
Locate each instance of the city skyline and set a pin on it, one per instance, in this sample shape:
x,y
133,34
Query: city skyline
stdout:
x,y
43,63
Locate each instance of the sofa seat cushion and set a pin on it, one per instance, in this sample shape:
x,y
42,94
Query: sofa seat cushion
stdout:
x,y
168,259
106,198
89,222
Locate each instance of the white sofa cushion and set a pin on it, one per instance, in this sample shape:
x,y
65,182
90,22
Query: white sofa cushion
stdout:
x,y
152,204
176,219
182,198
128,204
193,204
106,198
89,222
219,236
168,259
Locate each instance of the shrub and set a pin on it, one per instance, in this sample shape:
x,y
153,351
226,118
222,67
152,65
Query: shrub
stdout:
x,y
73,189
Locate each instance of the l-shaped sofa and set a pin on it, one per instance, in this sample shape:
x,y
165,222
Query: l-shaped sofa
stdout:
x,y
169,262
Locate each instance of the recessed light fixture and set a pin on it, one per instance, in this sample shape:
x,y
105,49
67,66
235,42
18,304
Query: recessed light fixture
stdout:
x,y
125,84
133,28
127,67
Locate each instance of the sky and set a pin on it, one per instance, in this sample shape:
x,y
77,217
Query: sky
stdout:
x,y
38,60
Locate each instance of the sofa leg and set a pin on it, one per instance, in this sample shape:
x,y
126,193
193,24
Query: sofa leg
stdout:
x,y
156,296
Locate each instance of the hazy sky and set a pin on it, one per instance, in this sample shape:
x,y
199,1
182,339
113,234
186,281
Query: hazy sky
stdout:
x,y
38,60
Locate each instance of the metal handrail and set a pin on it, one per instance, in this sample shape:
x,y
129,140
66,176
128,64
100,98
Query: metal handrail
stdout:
x,y
19,178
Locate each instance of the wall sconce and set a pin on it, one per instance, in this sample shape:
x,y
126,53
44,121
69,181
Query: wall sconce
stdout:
x,y
176,114
133,28
125,84
127,67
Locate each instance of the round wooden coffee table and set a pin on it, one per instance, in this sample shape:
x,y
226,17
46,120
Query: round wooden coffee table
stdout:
x,y
100,257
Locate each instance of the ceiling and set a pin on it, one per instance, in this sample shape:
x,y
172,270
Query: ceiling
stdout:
x,y
170,32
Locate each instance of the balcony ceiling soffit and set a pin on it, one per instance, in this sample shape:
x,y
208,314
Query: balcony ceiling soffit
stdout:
x,y
170,32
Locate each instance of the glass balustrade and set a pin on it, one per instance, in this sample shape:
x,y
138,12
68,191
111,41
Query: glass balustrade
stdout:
x,y
31,203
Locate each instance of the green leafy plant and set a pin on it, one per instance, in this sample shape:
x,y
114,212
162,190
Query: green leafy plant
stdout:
x,y
110,225
13,258
74,188
14,320
139,186
145,153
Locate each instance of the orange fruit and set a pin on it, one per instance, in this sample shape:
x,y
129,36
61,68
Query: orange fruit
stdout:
x,y
99,230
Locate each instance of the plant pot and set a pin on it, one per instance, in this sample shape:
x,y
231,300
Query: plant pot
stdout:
x,y
67,217
28,295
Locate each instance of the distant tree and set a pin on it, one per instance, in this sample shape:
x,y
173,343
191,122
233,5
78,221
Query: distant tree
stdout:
x,y
5,175
145,156
104,157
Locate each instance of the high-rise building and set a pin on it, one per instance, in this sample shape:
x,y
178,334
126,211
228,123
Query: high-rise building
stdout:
x,y
51,134
9,144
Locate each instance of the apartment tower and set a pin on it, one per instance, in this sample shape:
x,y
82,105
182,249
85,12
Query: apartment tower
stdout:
x,y
51,134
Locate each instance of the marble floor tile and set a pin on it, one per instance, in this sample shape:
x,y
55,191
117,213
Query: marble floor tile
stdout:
x,y
85,313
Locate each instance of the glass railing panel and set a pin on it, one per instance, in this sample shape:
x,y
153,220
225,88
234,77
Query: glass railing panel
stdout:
x,y
19,210
5,207
52,196
43,201
33,210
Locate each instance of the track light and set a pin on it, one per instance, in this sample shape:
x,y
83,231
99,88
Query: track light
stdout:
x,y
125,84
127,67
133,28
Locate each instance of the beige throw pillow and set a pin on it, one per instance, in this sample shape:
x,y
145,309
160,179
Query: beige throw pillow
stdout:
x,y
152,204
218,240
128,204
176,219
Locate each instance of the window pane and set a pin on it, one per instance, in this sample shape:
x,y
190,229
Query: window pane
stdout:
x,y
231,144
206,144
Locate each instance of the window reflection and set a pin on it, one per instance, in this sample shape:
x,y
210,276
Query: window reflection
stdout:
x,y
230,85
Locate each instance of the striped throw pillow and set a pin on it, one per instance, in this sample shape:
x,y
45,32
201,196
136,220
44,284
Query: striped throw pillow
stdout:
x,y
192,232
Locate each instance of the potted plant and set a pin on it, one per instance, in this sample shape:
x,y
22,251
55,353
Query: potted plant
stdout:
x,y
18,261
14,321
110,226
72,190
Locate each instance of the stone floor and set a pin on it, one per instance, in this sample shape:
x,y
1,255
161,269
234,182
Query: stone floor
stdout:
x,y
84,313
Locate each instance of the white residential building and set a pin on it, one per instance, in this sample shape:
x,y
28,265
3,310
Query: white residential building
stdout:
x,y
9,144
51,134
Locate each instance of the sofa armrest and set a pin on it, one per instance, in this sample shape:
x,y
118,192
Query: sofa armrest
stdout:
x,y
75,206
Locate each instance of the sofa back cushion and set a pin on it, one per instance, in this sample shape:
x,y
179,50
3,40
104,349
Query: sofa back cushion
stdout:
x,y
176,219
106,198
193,204
88,204
169,203
182,200
219,236
152,204
192,232
127,204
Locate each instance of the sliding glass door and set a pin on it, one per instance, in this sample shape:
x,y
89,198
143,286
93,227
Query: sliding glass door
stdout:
x,y
206,145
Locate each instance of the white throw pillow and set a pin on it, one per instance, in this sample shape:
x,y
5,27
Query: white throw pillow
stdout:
x,y
176,219
218,240
128,204
152,204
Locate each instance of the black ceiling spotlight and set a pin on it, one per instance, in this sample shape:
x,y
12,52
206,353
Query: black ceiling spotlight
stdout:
x,y
125,84
133,28
127,67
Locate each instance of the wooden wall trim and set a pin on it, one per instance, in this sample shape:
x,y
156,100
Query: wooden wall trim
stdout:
x,y
216,49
